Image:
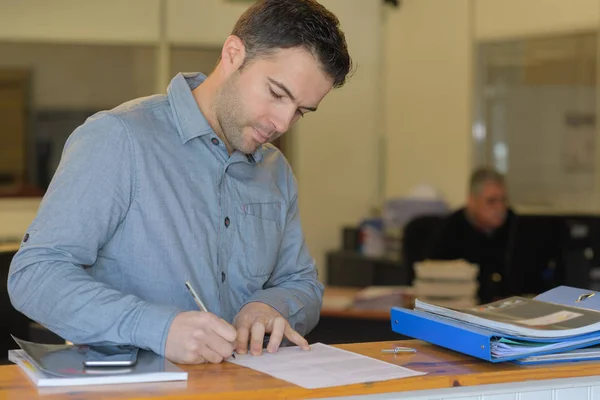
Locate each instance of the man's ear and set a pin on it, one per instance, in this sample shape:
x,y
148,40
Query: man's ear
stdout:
x,y
232,54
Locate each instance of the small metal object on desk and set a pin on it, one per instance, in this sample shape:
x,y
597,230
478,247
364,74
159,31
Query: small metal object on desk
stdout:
x,y
397,350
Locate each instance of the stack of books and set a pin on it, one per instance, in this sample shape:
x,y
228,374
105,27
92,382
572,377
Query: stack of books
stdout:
x,y
447,283
560,325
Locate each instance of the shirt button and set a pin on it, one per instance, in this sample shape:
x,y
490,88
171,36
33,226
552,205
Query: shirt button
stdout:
x,y
223,276
26,237
227,222
214,141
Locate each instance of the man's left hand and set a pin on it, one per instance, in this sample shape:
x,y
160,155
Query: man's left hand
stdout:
x,y
254,320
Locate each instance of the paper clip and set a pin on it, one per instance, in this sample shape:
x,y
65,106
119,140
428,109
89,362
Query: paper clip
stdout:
x,y
397,350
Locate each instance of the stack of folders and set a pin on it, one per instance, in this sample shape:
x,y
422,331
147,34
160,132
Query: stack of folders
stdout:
x,y
62,365
551,327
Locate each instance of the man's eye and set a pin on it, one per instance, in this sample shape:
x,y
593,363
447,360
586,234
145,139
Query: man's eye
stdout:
x,y
275,95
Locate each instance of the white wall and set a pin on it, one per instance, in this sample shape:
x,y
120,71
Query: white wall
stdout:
x,y
82,77
335,149
496,19
206,22
427,93
80,21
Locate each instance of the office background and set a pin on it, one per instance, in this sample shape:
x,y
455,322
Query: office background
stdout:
x,y
440,87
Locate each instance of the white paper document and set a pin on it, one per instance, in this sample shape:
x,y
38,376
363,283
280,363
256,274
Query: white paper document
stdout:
x,y
322,366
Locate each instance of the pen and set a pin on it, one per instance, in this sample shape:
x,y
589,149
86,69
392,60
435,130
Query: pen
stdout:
x,y
397,350
199,302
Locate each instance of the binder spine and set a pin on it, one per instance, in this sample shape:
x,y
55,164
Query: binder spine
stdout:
x,y
455,338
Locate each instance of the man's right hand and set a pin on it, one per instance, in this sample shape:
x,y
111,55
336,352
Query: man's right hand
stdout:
x,y
197,337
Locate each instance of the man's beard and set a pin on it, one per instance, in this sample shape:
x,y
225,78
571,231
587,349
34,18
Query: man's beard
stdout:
x,y
229,113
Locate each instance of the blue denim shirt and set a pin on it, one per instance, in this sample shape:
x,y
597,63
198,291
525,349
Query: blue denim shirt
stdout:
x,y
146,197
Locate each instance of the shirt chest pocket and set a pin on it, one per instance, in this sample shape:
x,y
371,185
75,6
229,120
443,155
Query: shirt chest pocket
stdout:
x,y
259,238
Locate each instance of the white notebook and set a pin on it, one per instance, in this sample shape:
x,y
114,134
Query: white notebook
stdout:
x,y
63,366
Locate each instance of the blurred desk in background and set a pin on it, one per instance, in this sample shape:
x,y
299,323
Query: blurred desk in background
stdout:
x,y
344,320
9,248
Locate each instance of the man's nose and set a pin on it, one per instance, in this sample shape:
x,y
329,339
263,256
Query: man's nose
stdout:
x,y
283,118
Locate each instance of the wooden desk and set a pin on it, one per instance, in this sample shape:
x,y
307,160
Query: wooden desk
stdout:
x,y
337,303
9,247
449,375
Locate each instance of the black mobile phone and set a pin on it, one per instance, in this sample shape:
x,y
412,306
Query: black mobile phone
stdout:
x,y
110,356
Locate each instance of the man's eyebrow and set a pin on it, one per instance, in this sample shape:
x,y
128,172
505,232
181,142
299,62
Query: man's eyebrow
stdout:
x,y
288,93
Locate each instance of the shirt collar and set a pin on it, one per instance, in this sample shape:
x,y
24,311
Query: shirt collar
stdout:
x,y
191,123
190,120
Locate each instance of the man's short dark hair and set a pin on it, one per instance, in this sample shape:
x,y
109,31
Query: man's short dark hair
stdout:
x,y
481,176
268,25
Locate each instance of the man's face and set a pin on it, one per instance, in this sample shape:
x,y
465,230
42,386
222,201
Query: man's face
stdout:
x,y
260,102
488,207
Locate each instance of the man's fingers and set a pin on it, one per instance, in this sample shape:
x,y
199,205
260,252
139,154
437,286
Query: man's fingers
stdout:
x,y
241,343
257,333
225,330
220,346
210,355
192,357
276,334
295,337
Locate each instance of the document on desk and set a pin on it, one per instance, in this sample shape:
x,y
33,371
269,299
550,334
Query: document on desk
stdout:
x,y
322,366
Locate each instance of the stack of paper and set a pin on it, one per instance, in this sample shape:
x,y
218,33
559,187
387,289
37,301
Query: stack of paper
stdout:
x,y
322,366
447,283
504,347
592,353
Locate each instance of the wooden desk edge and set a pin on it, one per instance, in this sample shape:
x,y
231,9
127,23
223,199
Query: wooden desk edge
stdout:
x,y
356,314
9,247
445,370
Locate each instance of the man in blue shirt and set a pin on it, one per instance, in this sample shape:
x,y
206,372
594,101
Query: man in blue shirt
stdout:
x,y
185,187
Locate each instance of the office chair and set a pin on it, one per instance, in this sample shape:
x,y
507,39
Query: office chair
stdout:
x,y
416,240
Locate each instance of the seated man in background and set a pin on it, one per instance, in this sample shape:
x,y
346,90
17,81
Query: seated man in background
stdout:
x,y
480,233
